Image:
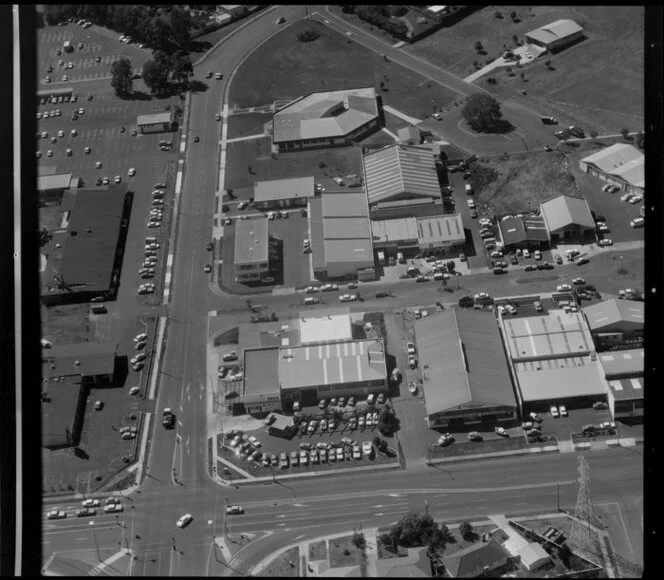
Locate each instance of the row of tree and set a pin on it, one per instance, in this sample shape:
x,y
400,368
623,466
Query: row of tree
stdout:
x,y
380,16
158,73
161,27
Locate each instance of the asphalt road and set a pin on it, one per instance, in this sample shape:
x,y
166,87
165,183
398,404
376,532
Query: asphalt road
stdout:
x,y
147,525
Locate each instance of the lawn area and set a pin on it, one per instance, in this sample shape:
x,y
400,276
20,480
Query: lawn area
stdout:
x,y
66,323
608,62
284,68
344,553
247,124
520,182
288,564
50,217
318,550
256,154
461,447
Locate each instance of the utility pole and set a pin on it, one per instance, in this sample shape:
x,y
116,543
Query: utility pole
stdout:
x,y
583,512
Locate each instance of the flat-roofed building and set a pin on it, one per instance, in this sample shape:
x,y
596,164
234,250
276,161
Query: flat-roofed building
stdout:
x,y
53,186
344,246
622,364
401,172
440,234
621,164
155,123
523,232
260,389
568,218
251,249
464,370
324,119
310,372
553,359
282,193
94,362
555,35
84,259
333,327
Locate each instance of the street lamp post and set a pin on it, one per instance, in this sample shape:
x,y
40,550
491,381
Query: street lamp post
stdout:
x,y
94,535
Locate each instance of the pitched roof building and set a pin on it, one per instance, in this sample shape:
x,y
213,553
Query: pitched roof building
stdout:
x,y
280,193
615,315
466,374
556,34
481,559
621,164
325,118
567,217
401,172
523,232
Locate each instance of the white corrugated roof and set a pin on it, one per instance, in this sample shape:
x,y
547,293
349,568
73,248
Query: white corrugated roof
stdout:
x,y
564,210
555,31
622,160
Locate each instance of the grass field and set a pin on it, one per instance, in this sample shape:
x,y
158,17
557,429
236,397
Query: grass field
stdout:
x,y
520,182
256,153
318,550
286,565
66,323
247,124
461,447
598,82
343,552
285,68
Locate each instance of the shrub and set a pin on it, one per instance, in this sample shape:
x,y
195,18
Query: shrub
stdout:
x,y
308,35
498,14
322,164
478,46
398,11
466,531
513,14
359,541
624,132
348,8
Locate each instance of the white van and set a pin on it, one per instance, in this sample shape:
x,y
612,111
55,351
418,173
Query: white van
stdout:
x,y
400,258
46,343
469,189
311,300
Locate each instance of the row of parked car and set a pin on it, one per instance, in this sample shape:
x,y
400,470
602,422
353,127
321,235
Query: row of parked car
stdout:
x,y
152,244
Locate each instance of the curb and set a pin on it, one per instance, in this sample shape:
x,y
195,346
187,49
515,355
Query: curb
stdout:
x,y
498,455
351,470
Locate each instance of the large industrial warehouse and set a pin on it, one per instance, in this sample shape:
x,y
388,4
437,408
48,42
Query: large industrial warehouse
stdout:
x,y
554,360
84,260
464,370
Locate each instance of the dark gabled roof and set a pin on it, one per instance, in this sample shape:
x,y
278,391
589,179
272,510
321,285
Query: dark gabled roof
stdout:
x,y
87,249
517,229
471,561
94,358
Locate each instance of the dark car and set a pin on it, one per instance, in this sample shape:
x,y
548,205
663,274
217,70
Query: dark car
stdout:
x,y
466,302
122,129
513,259
531,267
582,261
98,181
196,139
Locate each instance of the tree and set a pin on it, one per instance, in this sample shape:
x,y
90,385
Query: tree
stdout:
x,y
121,79
387,421
155,76
593,133
160,35
624,132
513,14
478,46
348,8
482,112
498,14
180,23
467,532
308,35
450,266
640,139
418,530
359,541
182,68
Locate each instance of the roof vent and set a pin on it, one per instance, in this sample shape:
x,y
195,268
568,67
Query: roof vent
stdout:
x,y
88,230
77,363
52,367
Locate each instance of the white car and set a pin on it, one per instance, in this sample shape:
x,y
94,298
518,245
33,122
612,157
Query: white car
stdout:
x,y
538,255
501,431
270,215
564,288
348,297
98,164
56,515
526,253
563,410
445,439
637,222
501,309
234,509
117,179
626,197
471,204
255,442
367,448
131,172
605,242
115,507
554,412
184,521
636,199
410,347
61,133
90,503
242,204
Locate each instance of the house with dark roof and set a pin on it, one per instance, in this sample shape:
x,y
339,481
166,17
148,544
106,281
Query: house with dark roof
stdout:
x,y
84,259
481,559
555,35
325,119
464,369
568,219
523,232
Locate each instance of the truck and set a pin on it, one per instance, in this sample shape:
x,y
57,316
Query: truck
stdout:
x,y
168,418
